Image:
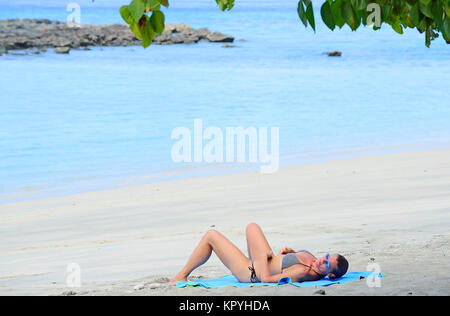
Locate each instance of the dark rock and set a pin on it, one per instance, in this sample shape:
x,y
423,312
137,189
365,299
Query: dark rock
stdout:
x,y
319,292
185,38
191,40
164,38
62,50
203,34
334,54
63,42
45,21
228,46
218,37
22,53
41,34
177,28
21,43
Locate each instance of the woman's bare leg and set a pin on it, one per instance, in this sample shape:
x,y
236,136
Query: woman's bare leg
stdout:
x,y
257,244
228,253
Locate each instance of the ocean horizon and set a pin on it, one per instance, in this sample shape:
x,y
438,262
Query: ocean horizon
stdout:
x,y
103,118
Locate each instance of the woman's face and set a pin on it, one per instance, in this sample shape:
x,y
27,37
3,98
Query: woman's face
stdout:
x,y
327,263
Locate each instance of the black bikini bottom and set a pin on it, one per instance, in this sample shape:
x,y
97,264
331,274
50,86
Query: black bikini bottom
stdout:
x,y
253,277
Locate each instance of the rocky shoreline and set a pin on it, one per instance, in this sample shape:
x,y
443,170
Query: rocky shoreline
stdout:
x,y
40,35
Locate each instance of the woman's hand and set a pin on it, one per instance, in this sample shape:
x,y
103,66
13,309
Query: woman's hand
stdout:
x,y
286,250
264,257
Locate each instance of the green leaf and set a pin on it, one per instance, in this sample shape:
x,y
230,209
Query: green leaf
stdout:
x,y
126,14
446,29
221,4
152,5
301,13
386,12
137,8
157,21
359,4
327,16
134,27
364,16
337,13
310,15
414,14
426,2
349,16
438,13
423,24
230,4
363,5
148,34
397,27
426,10
164,3
225,4
359,15
145,34
447,8
408,22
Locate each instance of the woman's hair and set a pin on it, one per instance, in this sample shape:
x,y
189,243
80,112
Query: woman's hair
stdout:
x,y
342,267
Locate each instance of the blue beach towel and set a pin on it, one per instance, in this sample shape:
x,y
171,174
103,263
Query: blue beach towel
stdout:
x,y
230,280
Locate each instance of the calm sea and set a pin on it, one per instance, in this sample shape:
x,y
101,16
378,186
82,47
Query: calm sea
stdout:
x,y
103,118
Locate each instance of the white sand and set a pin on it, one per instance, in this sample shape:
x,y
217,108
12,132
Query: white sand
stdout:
x,y
393,208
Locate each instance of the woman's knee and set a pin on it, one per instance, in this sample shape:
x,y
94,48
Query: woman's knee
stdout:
x,y
252,226
210,234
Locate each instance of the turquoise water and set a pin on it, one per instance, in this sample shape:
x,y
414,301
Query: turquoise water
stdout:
x,y
95,119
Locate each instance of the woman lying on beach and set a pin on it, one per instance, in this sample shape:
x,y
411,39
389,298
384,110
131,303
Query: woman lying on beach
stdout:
x,y
262,265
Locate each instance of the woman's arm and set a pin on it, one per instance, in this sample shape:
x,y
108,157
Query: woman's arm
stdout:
x,y
272,278
263,267
296,274
286,250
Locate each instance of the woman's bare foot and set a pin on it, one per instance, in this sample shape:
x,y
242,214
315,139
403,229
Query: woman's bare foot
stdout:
x,y
176,279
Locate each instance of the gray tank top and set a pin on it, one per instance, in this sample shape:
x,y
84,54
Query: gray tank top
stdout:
x,y
291,259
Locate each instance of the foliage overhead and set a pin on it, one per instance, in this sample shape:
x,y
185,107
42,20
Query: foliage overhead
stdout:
x,y
145,18
431,17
